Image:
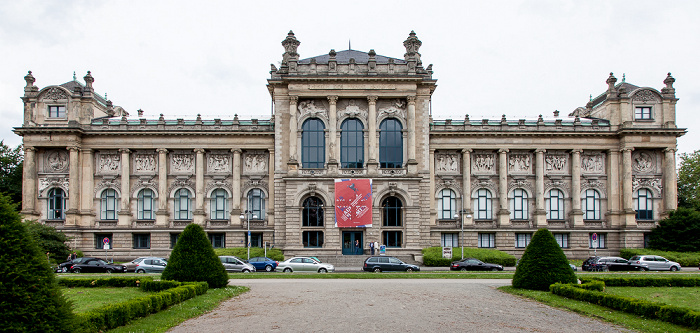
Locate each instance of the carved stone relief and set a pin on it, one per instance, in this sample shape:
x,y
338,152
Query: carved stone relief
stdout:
x,y
255,163
391,108
145,163
483,163
182,162
556,163
352,108
643,161
519,163
486,183
645,96
56,161
592,163
145,182
556,183
218,183
220,163
108,162
107,182
179,182
651,183
594,184
447,163
55,94
520,183
50,182
313,108
254,183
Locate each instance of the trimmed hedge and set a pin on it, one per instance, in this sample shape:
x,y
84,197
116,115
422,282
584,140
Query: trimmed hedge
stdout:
x,y
645,281
669,313
242,252
432,256
193,260
686,259
591,285
106,282
542,264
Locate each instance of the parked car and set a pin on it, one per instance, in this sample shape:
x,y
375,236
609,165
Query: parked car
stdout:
x,y
131,266
655,263
618,264
96,265
385,264
304,264
65,266
586,266
235,264
472,264
263,264
573,267
151,265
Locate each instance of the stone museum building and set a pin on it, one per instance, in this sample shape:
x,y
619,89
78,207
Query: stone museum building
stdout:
x,y
599,178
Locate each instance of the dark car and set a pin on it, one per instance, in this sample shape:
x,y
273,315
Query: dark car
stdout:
x,y
96,265
472,264
263,264
65,266
587,264
383,263
617,264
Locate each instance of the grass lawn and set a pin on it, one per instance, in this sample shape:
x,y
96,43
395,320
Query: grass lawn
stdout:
x,y
686,297
629,321
86,299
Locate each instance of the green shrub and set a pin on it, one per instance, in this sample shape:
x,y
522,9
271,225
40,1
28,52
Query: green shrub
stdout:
x,y
671,281
118,282
686,259
432,256
678,232
242,252
591,285
30,299
542,264
193,259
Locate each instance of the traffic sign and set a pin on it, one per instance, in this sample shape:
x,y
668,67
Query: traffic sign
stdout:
x,y
595,236
105,240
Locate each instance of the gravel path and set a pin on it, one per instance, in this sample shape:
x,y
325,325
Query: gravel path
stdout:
x,y
401,305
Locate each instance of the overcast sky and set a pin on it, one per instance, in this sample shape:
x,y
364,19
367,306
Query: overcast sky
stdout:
x,y
518,58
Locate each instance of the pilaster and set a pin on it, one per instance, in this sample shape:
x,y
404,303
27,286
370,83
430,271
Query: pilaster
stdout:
x,y
576,212
334,150
293,131
125,208
503,212
87,186
236,186
373,150
412,163
670,189
199,213
162,213
29,185
540,212
629,217
466,186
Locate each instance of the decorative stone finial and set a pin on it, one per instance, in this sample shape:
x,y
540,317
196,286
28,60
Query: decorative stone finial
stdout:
x,y
668,81
332,53
88,81
372,53
199,117
556,113
30,79
623,77
412,45
140,112
290,48
75,78
540,119
161,118
611,81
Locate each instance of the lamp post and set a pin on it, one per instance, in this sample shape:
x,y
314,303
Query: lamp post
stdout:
x,y
246,215
461,216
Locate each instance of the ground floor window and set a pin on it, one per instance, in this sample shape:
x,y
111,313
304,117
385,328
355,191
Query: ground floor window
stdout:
x,y
487,240
173,239
392,238
522,240
598,242
100,241
312,238
255,239
218,240
646,240
449,240
142,241
562,240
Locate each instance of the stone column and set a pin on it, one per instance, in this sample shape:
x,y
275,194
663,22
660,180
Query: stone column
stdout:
x,y
87,188
670,189
333,151
29,184
236,186
293,129
373,149
467,186
162,213
503,212
411,129
125,204
431,165
629,216
270,207
73,186
540,211
576,212
199,214
613,187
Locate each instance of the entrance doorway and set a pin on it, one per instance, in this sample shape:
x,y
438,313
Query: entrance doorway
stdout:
x,y
349,240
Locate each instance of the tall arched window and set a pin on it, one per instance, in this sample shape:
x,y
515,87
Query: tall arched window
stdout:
x,y
590,203
482,204
183,204
312,213
219,204
145,205
554,201
57,204
109,204
644,204
390,144
391,212
519,205
352,144
313,144
256,203
447,204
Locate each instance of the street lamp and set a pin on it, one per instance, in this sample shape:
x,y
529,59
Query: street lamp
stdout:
x,y
461,216
246,215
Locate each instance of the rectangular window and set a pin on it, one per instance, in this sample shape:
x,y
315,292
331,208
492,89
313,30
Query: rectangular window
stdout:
x,y
256,239
642,113
449,240
173,239
598,243
646,240
522,240
487,240
311,238
218,240
142,241
562,240
100,241
392,238
57,111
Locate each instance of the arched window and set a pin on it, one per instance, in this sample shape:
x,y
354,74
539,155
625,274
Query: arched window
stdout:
x,y
482,204
145,205
390,144
519,205
590,203
391,209
183,204
446,205
57,204
554,201
312,213
256,203
313,144
352,144
109,204
644,205
219,204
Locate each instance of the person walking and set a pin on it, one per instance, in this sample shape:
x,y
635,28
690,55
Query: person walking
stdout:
x,y
371,248
357,246
376,246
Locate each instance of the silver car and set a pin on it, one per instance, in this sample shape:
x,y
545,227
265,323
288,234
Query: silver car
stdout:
x,y
151,265
235,264
304,264
656,263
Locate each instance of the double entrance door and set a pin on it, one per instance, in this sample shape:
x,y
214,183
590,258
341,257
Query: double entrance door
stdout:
x,y
352,243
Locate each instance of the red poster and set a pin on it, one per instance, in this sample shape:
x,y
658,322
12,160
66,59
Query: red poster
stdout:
x,y
353,203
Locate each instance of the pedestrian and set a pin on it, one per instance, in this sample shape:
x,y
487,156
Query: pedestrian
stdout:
x,y
73,256
371,248
357,246
376,246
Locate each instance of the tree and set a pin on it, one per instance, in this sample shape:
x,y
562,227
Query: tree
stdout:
x,y
30,299
543,263
49,240
689,180
678,232
193,259
11,171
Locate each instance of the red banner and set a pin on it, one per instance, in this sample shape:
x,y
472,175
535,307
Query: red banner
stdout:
x,y
353,203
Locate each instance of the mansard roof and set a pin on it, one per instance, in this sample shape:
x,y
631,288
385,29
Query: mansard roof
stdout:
x,y
343,57
628,87
70,85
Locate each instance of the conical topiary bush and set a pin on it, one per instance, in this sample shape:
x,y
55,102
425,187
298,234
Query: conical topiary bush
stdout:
x,y
193,259
543,264
30,299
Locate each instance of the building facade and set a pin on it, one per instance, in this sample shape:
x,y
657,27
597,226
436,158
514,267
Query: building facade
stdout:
x,y
599,179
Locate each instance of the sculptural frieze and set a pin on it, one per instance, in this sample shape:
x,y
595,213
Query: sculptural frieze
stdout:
x,y
592,163
182,163
108,163
447,163
519,163
219,163
255,163
145,163
391,108
353,109
56,161
645,96
483,163
52,182
55,94
555,163
652,183
643,161
313,108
